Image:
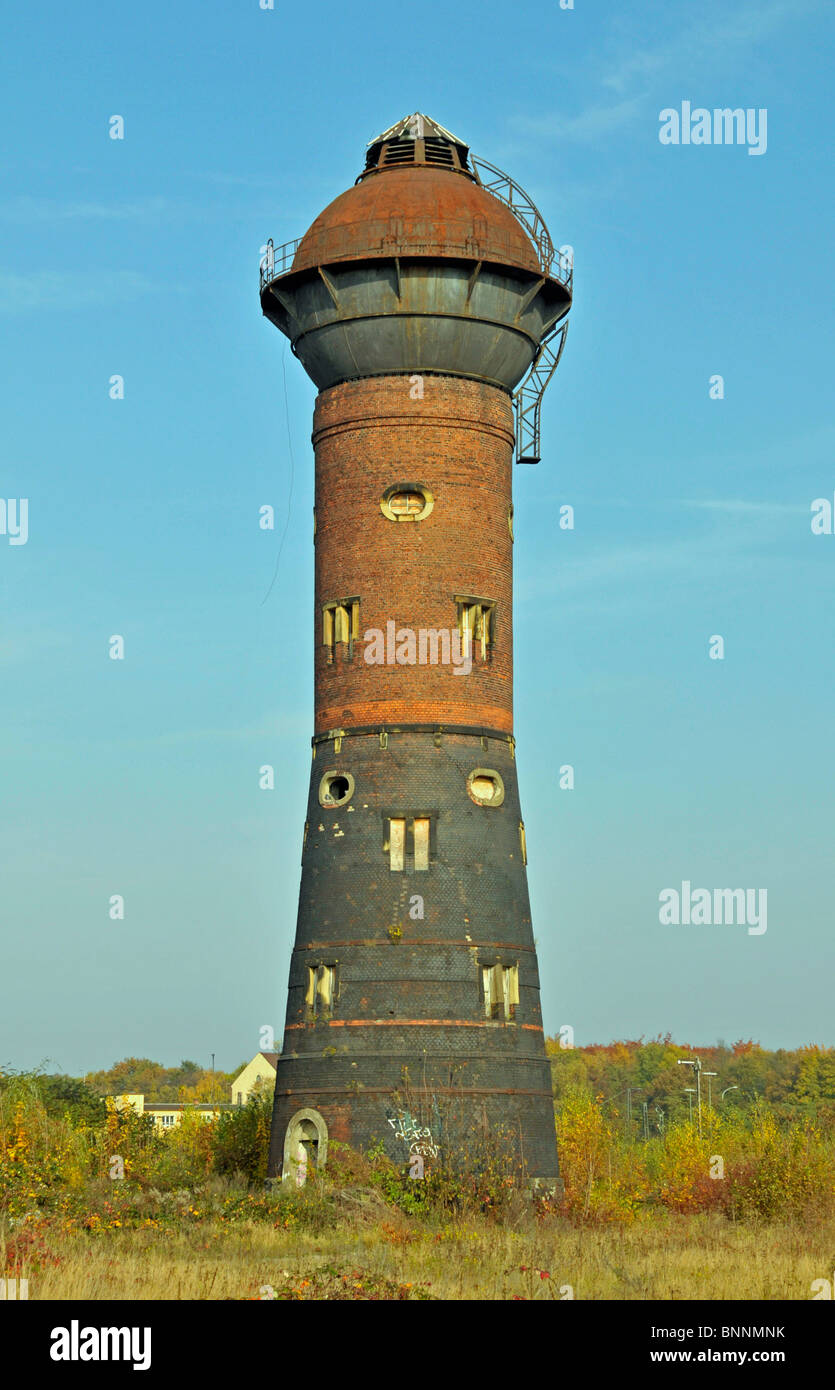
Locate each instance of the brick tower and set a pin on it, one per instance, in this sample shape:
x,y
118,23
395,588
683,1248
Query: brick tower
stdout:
x,y
417,302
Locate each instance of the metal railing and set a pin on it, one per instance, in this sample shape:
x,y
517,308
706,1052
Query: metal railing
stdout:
x,y
527,398
467,237
277,260
524,209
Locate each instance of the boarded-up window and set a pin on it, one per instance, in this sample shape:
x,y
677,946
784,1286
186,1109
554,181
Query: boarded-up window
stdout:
x,y
490,976
501,990
510,989
321,990
397,844
475,624
340,623
421,843
407,842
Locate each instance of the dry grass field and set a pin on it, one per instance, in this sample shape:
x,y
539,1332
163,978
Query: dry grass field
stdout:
x,y
96,1205
383,1256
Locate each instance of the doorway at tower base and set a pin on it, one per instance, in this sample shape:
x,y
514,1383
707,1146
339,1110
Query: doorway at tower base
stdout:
x,y
420,1133
305,1146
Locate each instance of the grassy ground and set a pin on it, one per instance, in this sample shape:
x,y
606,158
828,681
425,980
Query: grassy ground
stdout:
x,y
674,1257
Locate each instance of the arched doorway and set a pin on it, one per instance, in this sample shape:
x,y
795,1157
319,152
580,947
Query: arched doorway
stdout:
x,y
305,1146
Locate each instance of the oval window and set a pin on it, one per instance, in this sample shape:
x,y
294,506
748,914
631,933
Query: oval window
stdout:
x,y
406,502
485,787
336,788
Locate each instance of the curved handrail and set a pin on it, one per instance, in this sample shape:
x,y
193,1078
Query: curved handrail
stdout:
x,y
524,209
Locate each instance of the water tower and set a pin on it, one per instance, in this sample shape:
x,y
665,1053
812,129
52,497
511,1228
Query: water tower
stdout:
x,y
417,302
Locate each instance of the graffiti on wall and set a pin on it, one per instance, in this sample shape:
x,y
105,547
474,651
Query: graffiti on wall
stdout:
x,y
418,1137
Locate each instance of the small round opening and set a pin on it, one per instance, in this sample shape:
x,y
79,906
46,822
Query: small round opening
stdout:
x,y
336,788
485,787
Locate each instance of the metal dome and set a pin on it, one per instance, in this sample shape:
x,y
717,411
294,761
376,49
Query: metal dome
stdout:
x,y
418,210
434,261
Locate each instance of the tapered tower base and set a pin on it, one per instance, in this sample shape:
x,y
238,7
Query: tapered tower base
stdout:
x,y
413,1049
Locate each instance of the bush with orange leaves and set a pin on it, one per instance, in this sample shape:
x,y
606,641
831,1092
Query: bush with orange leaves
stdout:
x,y
782,1173
680,1166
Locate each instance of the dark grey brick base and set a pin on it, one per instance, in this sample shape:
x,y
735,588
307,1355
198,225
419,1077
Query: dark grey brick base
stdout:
x,y
409,1015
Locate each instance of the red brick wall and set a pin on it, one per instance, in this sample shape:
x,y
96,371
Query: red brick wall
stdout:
x,y
458,442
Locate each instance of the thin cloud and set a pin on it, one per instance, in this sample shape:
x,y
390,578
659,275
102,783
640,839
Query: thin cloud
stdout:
x,y
24,210
712,38
42,289
715,554
709,41
736,507
590,125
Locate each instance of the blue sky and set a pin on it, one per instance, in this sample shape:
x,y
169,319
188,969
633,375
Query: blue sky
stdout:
x,y
140,257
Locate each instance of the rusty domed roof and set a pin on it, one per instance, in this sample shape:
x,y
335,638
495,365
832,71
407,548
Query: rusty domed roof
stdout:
x,y
416,210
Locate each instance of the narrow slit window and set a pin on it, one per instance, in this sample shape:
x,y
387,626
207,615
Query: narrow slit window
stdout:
x,y
510,990
475,625
340,623
408,843
421,843
397,844
491,996
321,990
501,990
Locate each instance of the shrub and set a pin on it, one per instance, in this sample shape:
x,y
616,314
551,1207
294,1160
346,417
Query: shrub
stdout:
x,y
241,1139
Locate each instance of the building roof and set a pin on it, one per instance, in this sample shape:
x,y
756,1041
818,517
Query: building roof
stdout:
x,y
271,1058
182,1105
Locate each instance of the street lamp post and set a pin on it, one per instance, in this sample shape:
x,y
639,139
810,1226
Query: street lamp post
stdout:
x,y
629,1091
709,1074
696,1064
690,1092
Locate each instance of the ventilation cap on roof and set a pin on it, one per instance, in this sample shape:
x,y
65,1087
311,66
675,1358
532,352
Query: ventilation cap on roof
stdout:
x,y
417,140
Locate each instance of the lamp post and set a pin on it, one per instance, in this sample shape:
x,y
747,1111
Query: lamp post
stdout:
x,y
728,1088
690,1092
696,1064
629,1091
709,1074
